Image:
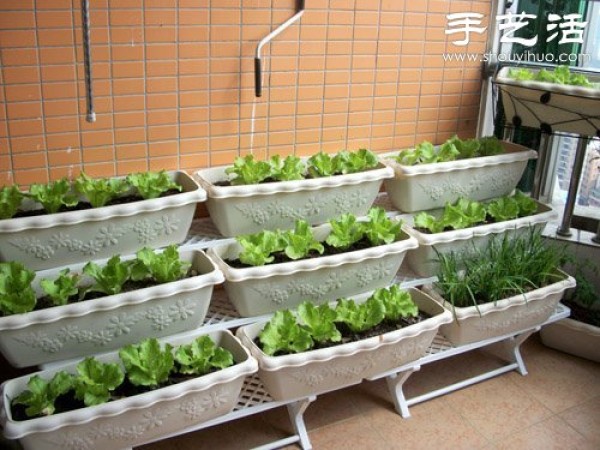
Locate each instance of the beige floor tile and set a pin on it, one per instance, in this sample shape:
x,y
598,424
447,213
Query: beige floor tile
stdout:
x,y
432,425
550,434
511,411
328,408
353,434
497,407
241,434
557,380
585,418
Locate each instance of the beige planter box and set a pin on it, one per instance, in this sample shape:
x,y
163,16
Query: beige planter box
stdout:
x,y
555,107
107,323
44,242
265,289
424,260
507,316
300,375
573,337
429,186
135,420
249,209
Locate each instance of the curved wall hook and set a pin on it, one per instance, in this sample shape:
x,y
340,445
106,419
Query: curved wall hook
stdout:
x,y
268,38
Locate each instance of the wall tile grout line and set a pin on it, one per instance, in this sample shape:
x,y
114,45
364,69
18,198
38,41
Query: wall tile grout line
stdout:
x,y
177,78
145,78
11,170
325,78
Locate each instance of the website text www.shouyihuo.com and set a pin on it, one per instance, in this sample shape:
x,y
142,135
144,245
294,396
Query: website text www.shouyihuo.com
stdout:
x,y
519,58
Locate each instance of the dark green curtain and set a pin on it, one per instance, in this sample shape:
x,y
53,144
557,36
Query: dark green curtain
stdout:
x,y
530,137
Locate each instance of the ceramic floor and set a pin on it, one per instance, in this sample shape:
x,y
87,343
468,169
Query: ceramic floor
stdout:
x,y
556,406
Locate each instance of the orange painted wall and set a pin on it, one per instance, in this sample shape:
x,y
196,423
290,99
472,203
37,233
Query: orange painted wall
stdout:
x,y
174,84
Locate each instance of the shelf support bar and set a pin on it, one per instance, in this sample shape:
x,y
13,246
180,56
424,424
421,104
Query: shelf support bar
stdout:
x,y
395,384
296,412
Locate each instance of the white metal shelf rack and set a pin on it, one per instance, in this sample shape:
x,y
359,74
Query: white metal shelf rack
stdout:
x,y
254,399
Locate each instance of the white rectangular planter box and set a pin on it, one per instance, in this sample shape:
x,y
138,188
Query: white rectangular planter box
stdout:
x,y
428,186
573,337
553,107
107,323
300,375
507,316
43,242
424,260
134,420
249,209
262,290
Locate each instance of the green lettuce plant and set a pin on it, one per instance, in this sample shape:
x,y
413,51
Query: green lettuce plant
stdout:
x,y
503,208
560,75
360,316
41,395
288,169
282,334
345,231
321,165
466,213
258,248
152,184
248,171
345,162
10,200
63,287
319,321
396,302
96,380
100,191
163,267
300,241
287,333
54,195
146,363
202,356
16,294
110,278
380,229
452,149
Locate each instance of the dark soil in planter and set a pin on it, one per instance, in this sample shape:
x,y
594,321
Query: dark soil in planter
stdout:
x,y
45,301
68,402
306,176
583,314
281,257
488,220
85,205
349,336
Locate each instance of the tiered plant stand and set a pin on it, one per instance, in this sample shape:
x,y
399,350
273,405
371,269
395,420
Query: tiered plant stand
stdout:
x,y
506,347
254,398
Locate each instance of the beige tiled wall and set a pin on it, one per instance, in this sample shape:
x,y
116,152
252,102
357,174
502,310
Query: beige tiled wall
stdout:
x,y
174,82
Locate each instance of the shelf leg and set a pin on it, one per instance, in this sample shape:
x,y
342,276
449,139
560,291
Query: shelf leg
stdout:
x,y
296,413
510,349
395,384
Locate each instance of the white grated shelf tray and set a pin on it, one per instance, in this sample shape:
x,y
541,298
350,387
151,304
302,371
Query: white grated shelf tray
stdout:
x,y
254,398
